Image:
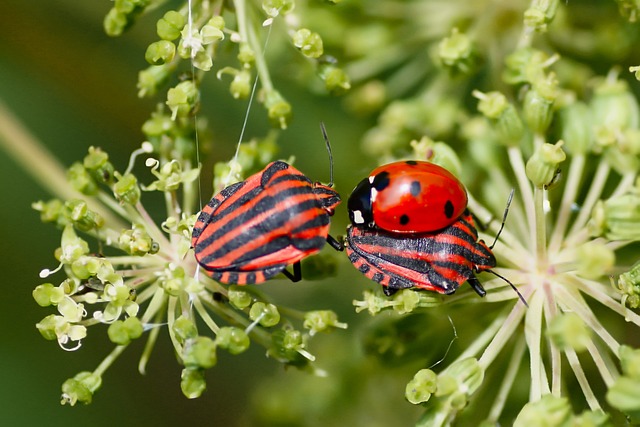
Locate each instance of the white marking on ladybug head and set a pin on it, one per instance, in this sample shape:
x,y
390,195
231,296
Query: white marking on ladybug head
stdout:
x,y
371,178
374,194
357,217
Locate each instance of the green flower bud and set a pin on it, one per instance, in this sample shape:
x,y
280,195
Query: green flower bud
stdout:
x,y
439,153
457,54
549,411
160,52
126,189
615,110
597,418
274,7
46,294
266,314
540,14
623,153
184,329
594,260
192,383
81,180
321,321
152,78
405,301
82,217
51,211
367,98
211,32
199,352
115,23
577,134
98,165
525,65
239,298
202,61
373,302
623,395
158,124
232,339
630,361
538,104
73,247
182,99
246,55
278,109
617,218
85,267
48,326
636,72
495,106
335,79
421,387
569,330
288,346
122,332
308,42
170,25
467,375
543,166
80,388
136,241
629,286
240,86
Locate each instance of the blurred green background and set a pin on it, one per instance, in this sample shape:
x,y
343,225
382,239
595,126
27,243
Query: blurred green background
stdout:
x,y
72,87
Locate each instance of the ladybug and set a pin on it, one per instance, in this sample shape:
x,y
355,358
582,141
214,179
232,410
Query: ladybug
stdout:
x,y
252,230
407,197
410,228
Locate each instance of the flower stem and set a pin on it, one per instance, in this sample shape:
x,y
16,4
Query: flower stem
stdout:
x,y
507,382
566,205
108,361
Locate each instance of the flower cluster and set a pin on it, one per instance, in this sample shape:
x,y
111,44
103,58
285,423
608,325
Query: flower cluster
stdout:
x,y
140,278
520,107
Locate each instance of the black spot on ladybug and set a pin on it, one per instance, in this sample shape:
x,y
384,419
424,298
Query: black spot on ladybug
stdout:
x,y
404,219
415,188
381,181
448,209
411,162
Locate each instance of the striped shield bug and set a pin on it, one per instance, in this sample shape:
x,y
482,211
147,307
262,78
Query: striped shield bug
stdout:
x,y
252,230
410,228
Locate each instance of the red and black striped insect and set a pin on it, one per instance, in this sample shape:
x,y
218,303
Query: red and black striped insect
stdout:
x,y
252,230
427,239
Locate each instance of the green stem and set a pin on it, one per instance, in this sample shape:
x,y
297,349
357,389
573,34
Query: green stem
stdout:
x,y
518,166
595,190
45,169
507,328
572,358
508,381
541,228
108,361
566,205
533,335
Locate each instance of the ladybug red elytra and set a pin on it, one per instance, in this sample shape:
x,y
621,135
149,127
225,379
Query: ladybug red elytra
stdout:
x,y
252,230
410,228
407,197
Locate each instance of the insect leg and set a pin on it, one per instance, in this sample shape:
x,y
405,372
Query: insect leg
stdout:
x,y
296,276
335,243
476,285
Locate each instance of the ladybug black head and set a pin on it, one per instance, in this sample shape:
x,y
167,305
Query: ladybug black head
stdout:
x,y
359,205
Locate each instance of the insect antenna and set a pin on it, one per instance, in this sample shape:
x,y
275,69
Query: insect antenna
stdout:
x,y
326,140
504,218
524,301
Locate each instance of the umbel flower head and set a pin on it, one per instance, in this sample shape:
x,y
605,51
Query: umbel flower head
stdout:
x,y
569,245
140,278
